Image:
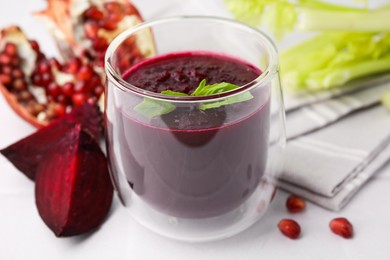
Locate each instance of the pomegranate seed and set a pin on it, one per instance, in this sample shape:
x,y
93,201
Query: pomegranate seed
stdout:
x,y
25,95
85,73
92,101
129,9
289,228
81,87
341,227
68,89
7,70
5,79
15,61
10,49
295,204
108,25
43,67
19,84
62,99
95,81
115,17
98,91
93,13
34,45
91,30
5,59
113,7
17,73
46,79
79,99
100,44
54,63
59,109
74,65
53,89
36,79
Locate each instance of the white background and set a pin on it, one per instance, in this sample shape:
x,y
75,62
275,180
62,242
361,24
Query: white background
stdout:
x,y
23,235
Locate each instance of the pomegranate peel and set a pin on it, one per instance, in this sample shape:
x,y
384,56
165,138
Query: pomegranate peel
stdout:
x,y
81,27
27,153
73,189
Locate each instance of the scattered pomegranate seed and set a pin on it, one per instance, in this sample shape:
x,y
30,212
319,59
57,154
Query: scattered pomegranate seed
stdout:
x,y
289,228
341,227
295,204
94,13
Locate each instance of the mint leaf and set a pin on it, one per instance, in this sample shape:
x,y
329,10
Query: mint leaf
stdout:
x,y
151,108
174,93
231,100
206,90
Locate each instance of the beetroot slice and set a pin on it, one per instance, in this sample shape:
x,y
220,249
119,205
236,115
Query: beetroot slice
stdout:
x,y
27,153
73,189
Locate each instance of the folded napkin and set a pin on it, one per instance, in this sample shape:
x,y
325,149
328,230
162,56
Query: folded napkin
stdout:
x,y
327,162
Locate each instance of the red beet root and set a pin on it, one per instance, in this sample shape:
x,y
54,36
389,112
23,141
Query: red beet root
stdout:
x,y
27,153
73,189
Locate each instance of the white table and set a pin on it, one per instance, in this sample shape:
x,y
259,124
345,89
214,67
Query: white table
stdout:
x,y
23,235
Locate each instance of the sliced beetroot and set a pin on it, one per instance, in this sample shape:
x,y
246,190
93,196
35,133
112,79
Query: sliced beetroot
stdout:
x,y
29,152
73,189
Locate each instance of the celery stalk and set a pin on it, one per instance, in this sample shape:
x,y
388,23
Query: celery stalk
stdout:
x,y
282,16
330,78
386,100
361,21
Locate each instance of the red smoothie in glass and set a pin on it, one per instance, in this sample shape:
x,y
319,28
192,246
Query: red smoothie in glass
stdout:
x,y
193,163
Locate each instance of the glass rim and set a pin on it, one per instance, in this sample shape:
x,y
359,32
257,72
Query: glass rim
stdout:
x,y
260,81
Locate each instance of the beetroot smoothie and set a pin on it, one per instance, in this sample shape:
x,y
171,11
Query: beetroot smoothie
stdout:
x,y
193,163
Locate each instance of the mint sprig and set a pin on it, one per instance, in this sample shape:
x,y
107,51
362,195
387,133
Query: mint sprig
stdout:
x,y
151,108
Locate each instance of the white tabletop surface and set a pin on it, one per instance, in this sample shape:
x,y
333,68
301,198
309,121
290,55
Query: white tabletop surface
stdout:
x,y
23,235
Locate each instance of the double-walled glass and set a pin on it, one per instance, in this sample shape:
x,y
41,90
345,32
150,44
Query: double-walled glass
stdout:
x,y
213,177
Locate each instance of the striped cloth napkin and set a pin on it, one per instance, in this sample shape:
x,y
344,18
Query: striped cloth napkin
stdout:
x,y
327,162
